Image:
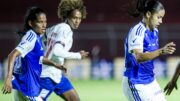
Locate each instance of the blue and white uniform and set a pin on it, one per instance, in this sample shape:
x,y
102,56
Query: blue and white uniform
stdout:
x,y
139,83
59,42
28,66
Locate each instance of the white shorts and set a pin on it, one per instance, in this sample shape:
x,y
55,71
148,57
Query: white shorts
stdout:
x,y
18,96
142,92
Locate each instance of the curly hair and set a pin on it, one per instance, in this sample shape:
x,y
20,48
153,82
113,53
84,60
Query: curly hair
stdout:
x,y
67,6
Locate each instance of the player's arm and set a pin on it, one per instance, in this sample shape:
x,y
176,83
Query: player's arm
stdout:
x,y
46,61
141,57
136,46
172,83
22,49
61,52
11,58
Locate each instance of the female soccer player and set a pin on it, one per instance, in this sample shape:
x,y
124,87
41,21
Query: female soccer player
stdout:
x,y
172,84
24,76
59,42
141,47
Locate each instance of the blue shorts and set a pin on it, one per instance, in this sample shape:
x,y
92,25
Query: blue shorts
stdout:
x,y
49,86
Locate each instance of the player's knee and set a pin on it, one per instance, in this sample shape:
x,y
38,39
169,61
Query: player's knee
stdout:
x,y
74,98
77,98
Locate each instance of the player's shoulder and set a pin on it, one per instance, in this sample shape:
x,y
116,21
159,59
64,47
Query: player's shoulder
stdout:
x,y
30,35
138,28
62,26
29,32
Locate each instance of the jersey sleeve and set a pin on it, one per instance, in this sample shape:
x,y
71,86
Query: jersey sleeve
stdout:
x,y
136,38
63,34
61,52
27,43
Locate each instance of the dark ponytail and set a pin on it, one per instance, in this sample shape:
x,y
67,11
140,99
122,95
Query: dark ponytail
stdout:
x,y
143,6
31,15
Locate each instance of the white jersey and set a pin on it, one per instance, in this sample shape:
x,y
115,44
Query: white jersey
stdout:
x,y
59,42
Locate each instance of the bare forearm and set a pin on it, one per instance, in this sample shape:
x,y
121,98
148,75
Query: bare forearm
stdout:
x,y
48,62
11,58
10,66
51,63
141,57
145,56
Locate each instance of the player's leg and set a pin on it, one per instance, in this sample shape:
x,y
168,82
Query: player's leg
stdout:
x,y
137,92
70,95
47,87
18,96
66,91
35,99
131,96
158,94
144,91
150,92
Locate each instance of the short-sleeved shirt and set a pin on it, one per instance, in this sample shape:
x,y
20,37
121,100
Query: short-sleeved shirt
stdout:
x,y
139,37
26,75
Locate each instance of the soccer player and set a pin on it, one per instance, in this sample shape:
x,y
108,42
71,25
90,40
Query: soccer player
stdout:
x,y
141,48
59,42
172,83
25,61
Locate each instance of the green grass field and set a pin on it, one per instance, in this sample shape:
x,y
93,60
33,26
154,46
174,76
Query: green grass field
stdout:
x,y
99,90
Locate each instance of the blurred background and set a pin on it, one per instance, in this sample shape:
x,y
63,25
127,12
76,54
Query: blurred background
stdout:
x,y
102,33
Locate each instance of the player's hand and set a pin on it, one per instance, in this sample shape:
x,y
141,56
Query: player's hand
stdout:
x,y
84,53
7,86
169,87
169,48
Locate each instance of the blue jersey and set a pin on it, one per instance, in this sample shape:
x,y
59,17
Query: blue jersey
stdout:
x,y
140,37
28,66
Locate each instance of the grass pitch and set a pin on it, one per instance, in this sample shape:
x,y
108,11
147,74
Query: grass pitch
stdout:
x,y
99,90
